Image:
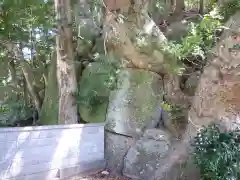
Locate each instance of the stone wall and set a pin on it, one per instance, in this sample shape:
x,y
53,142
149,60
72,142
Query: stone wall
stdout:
x,y
50,152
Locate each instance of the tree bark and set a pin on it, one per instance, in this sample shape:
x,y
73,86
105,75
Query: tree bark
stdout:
x,y
25,91
201,6
65,64
50,110
179,6
29,80
118,40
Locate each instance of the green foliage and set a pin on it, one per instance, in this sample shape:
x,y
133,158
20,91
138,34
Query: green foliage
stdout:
x,y
98,80
87,24
217,154
157,7
166,106
230,9
174,111
13,110
17,17
203,34
29,23
200,39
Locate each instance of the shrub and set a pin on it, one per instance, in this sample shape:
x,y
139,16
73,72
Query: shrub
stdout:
x,y
217,154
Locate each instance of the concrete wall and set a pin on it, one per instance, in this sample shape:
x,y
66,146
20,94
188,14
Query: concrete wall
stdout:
x,y
50,152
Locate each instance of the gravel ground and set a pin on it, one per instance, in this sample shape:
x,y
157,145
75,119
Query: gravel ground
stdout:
x,y
99,175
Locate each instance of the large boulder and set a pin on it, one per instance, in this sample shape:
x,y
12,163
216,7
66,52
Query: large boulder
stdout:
x,y
145,156
177,165
216,98
135,105
95,82
115,151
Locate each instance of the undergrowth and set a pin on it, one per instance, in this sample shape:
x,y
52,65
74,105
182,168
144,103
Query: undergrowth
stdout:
x,y
217,154
203,34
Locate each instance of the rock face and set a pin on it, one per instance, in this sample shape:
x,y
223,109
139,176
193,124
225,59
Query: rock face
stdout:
x,y
115,150
175,120
177,165
217,95
173,93
145,156
133,144
192,83
135,105
156,157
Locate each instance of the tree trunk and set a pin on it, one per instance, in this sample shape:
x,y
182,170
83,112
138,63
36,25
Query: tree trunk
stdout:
x,y
49,110
65,64
29,80
118,41
179,6
25,92
201,6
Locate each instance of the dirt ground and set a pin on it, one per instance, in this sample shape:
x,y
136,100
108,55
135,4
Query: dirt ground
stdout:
x,y
98,175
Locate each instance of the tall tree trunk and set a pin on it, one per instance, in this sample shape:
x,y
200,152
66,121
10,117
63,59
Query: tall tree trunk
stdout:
x,y
49,112
25,92
29,80
65,64
179,6
201,6
118,40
